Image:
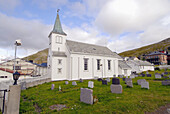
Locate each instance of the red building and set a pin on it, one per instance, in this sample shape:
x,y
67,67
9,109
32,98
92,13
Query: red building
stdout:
x,y
157,58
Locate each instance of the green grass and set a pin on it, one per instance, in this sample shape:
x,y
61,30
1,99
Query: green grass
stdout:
x,y
132,100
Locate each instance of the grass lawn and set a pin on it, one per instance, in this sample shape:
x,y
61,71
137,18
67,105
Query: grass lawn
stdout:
x,y
133,100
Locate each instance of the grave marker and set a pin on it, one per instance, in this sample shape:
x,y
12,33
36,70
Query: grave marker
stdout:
x,y
158,76
116,88
140,81
86,96
104,82
52,86
166,82
66,82
145,85
74,83
90,84
115,81
108,79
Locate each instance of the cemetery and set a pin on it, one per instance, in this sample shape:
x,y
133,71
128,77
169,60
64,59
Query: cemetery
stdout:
x,y
110,95
137,95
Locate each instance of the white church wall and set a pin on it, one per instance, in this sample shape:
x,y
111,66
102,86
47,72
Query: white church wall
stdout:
x,y
77,67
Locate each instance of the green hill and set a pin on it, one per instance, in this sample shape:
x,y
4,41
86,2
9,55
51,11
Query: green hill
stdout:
x,y
163,45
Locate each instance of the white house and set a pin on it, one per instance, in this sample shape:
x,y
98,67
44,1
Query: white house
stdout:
x,y
124,69
140,66
70,60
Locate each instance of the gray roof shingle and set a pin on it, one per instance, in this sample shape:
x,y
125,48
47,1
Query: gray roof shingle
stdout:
x,y
78,47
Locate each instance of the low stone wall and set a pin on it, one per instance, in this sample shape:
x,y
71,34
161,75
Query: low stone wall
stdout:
x,y
25,83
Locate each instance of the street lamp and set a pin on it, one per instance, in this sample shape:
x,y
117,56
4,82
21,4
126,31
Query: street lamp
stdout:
x,y
16,74
102,70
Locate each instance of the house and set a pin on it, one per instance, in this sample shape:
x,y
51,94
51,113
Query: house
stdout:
x,y
71,60
140,66
24,67
124,69
157,58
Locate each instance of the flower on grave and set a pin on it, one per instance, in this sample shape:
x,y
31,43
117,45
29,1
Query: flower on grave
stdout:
x,y
59,88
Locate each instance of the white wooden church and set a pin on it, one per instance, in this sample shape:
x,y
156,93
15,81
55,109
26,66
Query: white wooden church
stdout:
x,y
70,60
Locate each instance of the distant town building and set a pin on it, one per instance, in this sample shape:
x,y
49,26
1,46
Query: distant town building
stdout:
x,y
24,67
157,58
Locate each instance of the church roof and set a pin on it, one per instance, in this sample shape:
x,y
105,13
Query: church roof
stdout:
x,y
57,26
123,65
78,47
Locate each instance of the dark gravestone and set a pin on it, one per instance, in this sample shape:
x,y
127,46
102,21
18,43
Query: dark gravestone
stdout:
x,y
165,77
143,75
99,79
104,82
81,80
123,79
115,81
165,73
148,75
166,82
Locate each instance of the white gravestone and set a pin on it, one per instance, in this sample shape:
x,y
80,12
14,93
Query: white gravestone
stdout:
x,y
52,86
90,84
129,84
86,96
145,85
140,81
66,82
158,76
108,79
74,83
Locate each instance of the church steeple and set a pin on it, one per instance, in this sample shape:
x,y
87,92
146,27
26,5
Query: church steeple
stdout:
x,y
57,26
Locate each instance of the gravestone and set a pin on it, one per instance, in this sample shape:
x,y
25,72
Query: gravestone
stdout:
x,y
23,85
52,86
104,82
115,81
116,88
165,77
166,82
128,79
86,96
108,79
136,75
66,82
132,76
114,76
123,79
140,81
148,75
166,73
143,75
81,80
145,85
169,76
59,88
99,79
129,84
90,84
147,72
74,83
158,76
121,76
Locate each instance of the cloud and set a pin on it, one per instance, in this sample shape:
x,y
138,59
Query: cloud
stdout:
x,y
118,16
9,4
33,33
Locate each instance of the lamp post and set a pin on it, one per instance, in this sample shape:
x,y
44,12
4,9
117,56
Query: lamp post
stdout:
x,y
16,74
102,70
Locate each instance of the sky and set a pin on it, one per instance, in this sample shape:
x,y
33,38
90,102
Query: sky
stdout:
x,y
120,25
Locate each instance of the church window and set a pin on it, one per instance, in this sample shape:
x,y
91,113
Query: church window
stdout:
x,y
109,64
98,64
85,64
59,61
59,39
59,70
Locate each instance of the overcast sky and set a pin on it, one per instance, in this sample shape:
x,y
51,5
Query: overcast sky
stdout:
x,y
118,24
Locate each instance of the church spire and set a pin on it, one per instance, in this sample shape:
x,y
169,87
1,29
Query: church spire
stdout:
x,y
57,26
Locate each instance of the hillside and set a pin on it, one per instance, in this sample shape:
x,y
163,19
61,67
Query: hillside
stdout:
x,y
163,45
39,57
